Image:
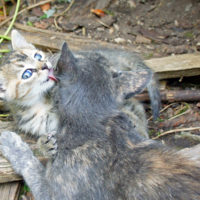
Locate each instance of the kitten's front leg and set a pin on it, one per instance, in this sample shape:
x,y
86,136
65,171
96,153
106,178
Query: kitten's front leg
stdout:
x,y
48,146
25,163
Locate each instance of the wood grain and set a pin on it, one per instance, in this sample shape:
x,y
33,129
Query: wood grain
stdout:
x,y
10,191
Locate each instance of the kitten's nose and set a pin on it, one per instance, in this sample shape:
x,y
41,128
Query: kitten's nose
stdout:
x,y
45,66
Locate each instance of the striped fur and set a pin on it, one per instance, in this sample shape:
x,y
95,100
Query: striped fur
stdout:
x,y
28,99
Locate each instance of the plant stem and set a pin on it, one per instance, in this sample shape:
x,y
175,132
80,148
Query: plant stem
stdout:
x,y
25,9
5,37
4,50
4,115
13,20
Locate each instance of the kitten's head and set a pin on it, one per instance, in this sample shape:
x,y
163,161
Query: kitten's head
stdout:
x,y
25,73
89,80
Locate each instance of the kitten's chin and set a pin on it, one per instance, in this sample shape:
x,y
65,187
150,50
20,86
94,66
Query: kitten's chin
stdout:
x,y
48,84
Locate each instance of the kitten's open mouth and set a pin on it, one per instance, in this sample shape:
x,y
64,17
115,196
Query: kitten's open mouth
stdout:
x,y
51,75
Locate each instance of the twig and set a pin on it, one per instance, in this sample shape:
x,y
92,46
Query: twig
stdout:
x,y
66,10
4,9
25,9
187,111
175,130
13,20
162,110
101,22
56,25
62,13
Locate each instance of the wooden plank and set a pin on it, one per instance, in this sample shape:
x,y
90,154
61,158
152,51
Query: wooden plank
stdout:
x,y
176,66
167,67
10,191
42,38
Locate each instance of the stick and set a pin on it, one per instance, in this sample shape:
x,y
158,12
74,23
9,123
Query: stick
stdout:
x,y
62,13
173,96
175,130
13,20
162,110
25,9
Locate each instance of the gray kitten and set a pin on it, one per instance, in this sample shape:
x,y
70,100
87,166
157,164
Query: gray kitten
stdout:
x,y
100,155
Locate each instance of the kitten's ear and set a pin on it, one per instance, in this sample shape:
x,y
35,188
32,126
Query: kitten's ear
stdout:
x,y
66,60
18,42
128,84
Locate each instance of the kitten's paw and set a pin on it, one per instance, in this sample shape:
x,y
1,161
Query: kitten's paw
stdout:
x,y
14,149
48,146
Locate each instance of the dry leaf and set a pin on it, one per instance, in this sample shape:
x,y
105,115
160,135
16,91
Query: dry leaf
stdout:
x,y
98,12
45,7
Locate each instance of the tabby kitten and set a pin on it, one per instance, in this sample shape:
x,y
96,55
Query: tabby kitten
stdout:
x,y
26,76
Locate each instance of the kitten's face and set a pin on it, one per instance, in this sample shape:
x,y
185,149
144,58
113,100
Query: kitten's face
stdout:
x,y
25,73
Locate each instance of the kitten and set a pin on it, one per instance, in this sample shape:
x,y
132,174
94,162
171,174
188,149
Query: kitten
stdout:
x,y
25,82
100,155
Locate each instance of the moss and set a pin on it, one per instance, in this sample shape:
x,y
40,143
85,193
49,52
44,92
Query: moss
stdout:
x,y
188,34
148,55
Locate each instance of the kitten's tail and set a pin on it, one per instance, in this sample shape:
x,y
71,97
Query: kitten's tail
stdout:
x,y
154,97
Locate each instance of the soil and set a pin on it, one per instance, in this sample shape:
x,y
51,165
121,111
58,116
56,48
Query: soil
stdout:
x,y
153,28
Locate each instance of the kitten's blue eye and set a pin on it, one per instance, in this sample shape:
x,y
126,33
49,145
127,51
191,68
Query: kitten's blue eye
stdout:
x,y
27,74
37,56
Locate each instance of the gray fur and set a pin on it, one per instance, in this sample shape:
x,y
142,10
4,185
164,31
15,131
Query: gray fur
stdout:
x,y
127,61
100,154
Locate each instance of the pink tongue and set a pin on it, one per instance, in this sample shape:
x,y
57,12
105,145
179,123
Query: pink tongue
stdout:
x,y
51,76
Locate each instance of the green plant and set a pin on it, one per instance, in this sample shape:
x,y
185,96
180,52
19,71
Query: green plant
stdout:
x,y
160,120
109,12
188,34
148,55
24,190
29,23
151,132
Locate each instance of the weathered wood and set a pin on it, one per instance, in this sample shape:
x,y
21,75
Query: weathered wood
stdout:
x,y
172,96
176,66
7,174
167,67
10,191
43,39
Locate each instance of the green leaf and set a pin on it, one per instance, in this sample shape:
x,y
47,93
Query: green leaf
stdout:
x,y
43,16
108,12
49,13
29,23
160,120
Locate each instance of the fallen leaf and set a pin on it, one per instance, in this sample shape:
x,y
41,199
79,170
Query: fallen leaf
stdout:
x,y
42,25
98,12
45,7
48,14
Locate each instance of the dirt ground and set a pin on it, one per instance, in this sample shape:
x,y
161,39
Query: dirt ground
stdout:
x,y
153,28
